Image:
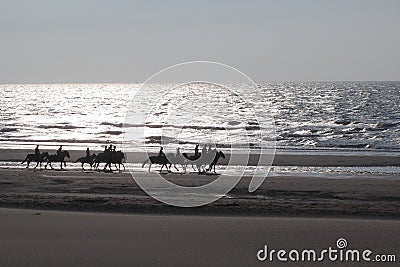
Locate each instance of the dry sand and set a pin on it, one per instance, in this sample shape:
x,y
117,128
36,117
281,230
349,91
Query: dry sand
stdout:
x,y
48,238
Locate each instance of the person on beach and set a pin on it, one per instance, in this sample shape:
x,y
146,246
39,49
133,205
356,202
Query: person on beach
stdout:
x,y
37,151
196,150
105,149
204,152
87,152
161,153
178,153
59,151
110,148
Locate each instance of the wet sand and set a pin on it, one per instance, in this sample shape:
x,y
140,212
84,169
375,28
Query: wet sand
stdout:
x,y
279,195
48,238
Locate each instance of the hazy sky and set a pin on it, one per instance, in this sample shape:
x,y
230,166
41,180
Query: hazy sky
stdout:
x,y
126,41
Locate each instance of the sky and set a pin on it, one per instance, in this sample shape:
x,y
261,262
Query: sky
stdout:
x,y
79,41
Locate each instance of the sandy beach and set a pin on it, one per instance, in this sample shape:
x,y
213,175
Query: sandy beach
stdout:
x,y
37,238
75,190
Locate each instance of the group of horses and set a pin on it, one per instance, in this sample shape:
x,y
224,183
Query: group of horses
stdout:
x,y
108,157
202,164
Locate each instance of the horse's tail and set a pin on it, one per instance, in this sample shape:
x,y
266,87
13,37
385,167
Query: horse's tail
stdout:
x,y
145,162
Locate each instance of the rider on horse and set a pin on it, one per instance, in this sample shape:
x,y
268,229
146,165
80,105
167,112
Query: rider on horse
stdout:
x,y
161,153
37,151
59,151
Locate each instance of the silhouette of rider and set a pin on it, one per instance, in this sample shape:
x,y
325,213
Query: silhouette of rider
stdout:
x,y
114,150
87,152
161,153
105,149
110,148
204,151
59,150
196,150
37,151
178,153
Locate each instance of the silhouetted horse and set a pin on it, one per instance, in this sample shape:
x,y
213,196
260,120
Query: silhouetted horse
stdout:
x,y
194,160
219,154
58,158
174,159
110,158
161,160
38,158
88,159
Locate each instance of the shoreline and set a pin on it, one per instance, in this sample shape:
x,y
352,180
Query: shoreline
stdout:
x,y
280,159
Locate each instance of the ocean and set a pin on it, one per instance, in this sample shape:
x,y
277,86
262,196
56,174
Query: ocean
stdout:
x,y
359,117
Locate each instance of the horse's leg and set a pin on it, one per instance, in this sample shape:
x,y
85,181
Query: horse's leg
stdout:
x,y
36,165
184,168
29,162
150,166
123,166
176,168
61,165
82,167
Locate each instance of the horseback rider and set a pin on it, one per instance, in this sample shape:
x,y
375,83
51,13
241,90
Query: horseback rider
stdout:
x,y
178,153
196,150
161,153
87,153
110,148
204,151
59,150
37,151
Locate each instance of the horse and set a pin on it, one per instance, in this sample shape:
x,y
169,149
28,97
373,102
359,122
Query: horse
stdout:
x,y
58,158
161,160
88,159
38,158
192,159
201,161
219,155
110,158
175,159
